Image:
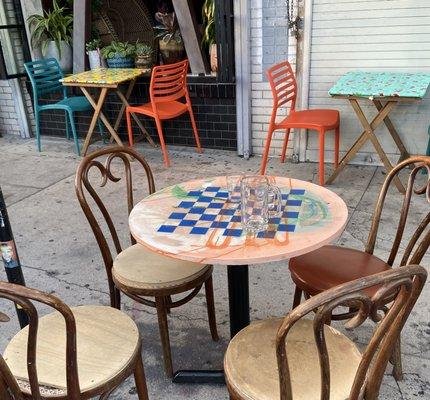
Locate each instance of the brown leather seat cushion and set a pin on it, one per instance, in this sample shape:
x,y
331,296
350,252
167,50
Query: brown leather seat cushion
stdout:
x,y
330,266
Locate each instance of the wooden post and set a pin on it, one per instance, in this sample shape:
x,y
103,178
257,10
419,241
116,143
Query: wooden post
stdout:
x,y
81,33
30,7
191,35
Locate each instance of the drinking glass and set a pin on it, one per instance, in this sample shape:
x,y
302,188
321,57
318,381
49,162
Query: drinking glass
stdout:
x,y
260,200
233,186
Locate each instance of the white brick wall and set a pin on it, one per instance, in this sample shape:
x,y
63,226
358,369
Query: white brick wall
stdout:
x,y
270,44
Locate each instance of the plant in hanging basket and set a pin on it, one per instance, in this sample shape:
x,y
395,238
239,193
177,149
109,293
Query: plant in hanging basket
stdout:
x,y
171,42
119,54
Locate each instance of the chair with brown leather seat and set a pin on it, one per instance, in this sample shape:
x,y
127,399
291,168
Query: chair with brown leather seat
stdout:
x,y
137,271
300,357
71,354
329,266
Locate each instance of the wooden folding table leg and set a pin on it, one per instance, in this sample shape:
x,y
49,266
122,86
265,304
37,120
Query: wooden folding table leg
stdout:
x,y
97,110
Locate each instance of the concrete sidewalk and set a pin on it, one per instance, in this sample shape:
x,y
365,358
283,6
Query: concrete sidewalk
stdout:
x,y
60,255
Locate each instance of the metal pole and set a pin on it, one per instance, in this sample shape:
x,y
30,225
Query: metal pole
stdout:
x,y
10,257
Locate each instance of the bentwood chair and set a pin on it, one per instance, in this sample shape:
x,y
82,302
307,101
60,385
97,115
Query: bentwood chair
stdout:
x,y
45,78
329,266
284,91
70,354
301,357
136,271
168,86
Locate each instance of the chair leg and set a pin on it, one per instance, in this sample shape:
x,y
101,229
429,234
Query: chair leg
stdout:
x,y
196,132
321,161
37,120
266,150
140,379
297,297
67,126
164,334
284,147
336,146
163,145
210,304
396,360
75,135
129,128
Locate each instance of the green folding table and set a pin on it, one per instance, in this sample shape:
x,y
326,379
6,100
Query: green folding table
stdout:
x,y
385,90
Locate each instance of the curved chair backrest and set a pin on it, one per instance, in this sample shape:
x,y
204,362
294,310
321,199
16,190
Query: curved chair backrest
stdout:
x,y
169,82
283,85
45,77
407,282
24,298
102,162
419,242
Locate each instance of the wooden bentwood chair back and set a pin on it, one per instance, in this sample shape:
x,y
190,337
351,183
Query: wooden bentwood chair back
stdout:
x,y
419,242
83,186
407,282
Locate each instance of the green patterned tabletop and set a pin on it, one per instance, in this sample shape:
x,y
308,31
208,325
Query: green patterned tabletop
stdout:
x,y
104,76
381,84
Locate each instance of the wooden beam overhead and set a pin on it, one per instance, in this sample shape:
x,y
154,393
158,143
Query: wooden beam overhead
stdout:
x,y
191,34
81,33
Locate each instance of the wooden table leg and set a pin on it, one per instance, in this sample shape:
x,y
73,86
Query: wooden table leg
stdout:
x,y
395,135
125,103
368,130
97,110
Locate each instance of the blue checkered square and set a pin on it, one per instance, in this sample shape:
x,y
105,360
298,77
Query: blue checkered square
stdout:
x,y
186,204
212,189
219,224
208,217
227,211
177,215
187,222
233,232
286,228
215,205
291,202
199,231
197,210
166,228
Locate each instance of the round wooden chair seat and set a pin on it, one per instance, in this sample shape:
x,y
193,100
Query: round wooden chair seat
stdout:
x,y
107,341
251,368
140,268
330,266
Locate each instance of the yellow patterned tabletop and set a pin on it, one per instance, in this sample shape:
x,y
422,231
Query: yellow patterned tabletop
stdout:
x,y
104,76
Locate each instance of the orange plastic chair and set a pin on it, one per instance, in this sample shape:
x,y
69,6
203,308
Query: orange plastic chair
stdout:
x,y
284,90
168,86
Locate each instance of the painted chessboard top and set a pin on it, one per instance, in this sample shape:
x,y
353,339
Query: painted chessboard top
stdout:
x,y
195,221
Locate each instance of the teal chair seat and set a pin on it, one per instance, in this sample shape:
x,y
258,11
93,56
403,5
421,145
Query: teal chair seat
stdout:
x,y
45,78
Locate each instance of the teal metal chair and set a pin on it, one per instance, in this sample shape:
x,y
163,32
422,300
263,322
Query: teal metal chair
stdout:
x,y
45,78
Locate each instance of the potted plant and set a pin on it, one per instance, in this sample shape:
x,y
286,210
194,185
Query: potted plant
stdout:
x,y
144,56
52,33
171,43
94,55
119,54
209,35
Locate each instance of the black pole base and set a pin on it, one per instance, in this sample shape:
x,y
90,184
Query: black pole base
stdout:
x,y
200,376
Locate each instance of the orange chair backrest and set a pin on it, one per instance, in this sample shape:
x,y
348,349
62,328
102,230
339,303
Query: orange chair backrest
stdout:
x,y
283,84
169,82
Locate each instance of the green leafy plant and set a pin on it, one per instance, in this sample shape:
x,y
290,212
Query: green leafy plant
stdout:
x,y
208,14
119,49
93,45
167,28
143,49
55,25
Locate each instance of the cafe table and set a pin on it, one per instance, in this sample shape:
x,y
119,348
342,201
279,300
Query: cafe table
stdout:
x,y
384,90
194,221
105,80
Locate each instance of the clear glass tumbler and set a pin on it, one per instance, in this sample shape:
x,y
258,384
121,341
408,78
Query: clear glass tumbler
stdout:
x,y
233,186
259,201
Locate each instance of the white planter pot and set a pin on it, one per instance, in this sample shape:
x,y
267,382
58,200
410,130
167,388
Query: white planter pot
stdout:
x,y
66,60
96,59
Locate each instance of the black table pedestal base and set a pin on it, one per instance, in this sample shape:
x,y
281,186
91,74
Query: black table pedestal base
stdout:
x,y
238,294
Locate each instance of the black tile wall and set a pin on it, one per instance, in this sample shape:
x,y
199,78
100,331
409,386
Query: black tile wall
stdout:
x,y
214,108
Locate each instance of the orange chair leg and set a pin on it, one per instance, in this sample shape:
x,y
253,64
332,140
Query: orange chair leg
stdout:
x,y
129,128
321,137
163,145
284,147
266,151
196,132
336,146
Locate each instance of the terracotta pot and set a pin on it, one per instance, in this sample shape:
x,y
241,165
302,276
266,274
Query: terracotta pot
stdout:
x,y
171,52
213,53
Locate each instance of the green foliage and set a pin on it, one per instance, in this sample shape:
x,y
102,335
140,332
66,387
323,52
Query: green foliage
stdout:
x,y
143,49
167,28
208,13
121,49
93,45
55,25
